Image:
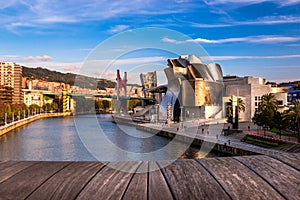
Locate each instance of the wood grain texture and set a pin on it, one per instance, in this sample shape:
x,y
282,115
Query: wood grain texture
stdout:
x,y
245,177
67,183
292,159
10,168
109,183
137,188
25,182
191,181
238,180
158,187
281,176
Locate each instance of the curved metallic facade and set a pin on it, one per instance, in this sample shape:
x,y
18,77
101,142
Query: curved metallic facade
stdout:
x,y
198,88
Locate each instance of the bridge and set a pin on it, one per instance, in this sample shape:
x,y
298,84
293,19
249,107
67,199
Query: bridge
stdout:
x,y
49,93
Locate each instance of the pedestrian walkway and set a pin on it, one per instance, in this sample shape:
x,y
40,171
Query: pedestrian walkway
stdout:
x,y
213,135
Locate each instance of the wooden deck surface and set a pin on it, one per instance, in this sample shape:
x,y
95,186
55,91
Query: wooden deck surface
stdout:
x,y
245,177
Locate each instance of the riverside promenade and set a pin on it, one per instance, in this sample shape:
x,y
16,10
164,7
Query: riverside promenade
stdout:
x,y
244,177
201,132
214,139
11,126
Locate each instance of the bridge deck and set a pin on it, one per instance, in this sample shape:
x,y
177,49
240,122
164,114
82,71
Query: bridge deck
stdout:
x,y
246,177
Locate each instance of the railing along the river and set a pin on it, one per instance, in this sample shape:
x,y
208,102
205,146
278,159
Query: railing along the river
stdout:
x,y
13,124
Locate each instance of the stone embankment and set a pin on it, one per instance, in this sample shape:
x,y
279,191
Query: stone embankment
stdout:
x,y
9,127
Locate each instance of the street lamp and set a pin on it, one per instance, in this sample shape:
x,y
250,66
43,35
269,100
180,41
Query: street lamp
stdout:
x,y
5,119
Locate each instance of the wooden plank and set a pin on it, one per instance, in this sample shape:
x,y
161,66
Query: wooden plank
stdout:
x,y
291,159
239,181
247,177
110,183
67,183
137,188
189,180
281,176
26,181
157,185
10,168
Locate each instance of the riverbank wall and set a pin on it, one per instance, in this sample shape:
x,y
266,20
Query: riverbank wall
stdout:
x,y
128,120
19,123
216,146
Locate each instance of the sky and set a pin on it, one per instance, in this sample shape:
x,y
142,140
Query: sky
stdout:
x,y
259,38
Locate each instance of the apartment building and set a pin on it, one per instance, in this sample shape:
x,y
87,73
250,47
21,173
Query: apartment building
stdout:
x,y
10,82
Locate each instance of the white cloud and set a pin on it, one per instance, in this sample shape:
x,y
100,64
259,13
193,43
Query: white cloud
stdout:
x,y
109,75
133,76
266,39
118,28
86,49
56,19
5,4
169,40
56,66
32,13
267,20
71,68
38,58
127,62
219,58
93,68
249,2
106,68
273,39
9,58
210,25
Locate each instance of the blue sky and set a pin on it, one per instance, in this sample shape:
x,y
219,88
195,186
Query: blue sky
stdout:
x,y
247,37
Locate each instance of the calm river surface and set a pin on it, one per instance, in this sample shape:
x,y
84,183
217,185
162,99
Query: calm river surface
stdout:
x,y
56,139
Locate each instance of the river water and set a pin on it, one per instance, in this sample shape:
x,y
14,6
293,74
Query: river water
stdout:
x,y
57,139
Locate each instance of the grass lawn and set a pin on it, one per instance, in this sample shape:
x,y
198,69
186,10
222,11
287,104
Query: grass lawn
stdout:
x,y
274,130
263,142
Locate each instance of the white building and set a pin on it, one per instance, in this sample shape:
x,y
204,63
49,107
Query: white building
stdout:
x,y
250,90
34,97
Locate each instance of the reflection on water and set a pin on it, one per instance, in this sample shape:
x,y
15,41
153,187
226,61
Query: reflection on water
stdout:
x,y
56,139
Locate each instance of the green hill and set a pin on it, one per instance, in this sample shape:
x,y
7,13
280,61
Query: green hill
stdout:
x,y
69,78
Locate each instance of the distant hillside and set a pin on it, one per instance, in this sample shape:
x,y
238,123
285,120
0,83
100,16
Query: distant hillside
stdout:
x,y
294,84
69,78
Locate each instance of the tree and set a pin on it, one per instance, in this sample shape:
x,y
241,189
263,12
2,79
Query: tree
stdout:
x,y
281,122
133,103
294,115
269,102
34,108
229,109
98,105
54,106
47,107
266,111
102,104
106,104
